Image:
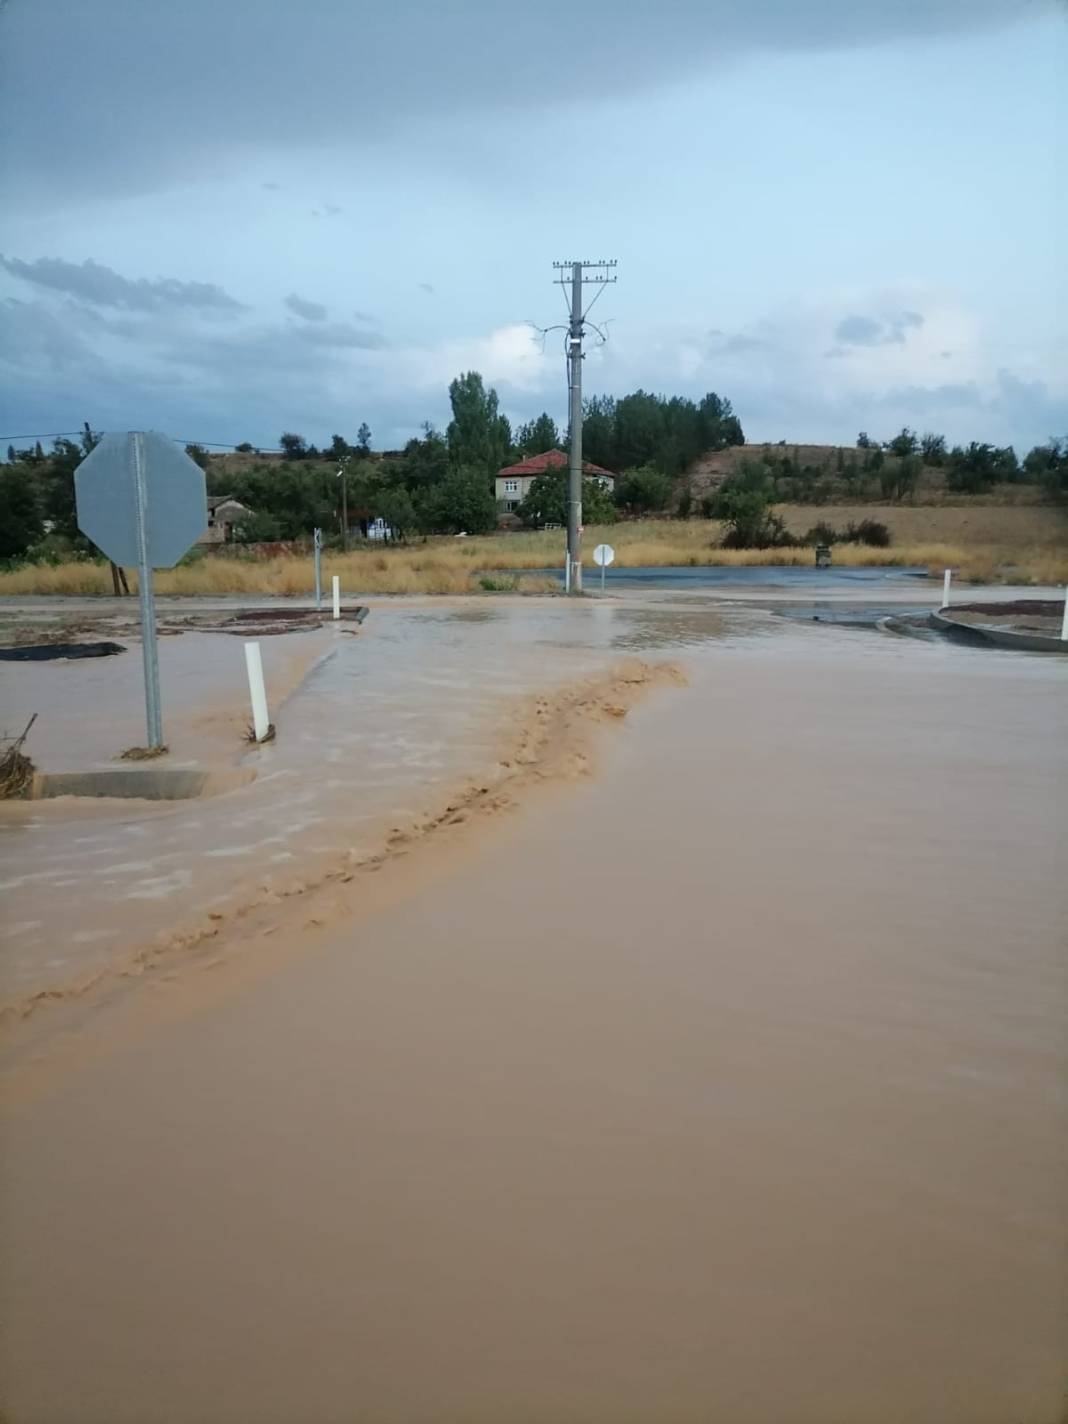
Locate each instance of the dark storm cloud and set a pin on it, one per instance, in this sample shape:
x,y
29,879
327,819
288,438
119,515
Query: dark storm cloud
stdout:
x,y
869,331
91,281
141,95
300,306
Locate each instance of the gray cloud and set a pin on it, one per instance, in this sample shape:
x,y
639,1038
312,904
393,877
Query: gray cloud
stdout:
x,y
869,331
300,306
144,95
93,282
341,334
736,343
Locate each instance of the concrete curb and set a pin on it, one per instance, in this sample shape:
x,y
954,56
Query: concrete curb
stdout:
x,y
142,783
997,637
900,627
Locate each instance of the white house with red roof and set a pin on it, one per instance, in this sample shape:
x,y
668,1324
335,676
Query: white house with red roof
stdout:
x,y
514,481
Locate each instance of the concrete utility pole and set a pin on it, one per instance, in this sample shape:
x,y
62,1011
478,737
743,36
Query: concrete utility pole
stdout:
x,y
343,475
575,274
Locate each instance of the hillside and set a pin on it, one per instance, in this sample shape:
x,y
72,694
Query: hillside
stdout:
x,y
826,474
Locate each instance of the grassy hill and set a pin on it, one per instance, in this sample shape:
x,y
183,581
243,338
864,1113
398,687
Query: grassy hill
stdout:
x,y
834,474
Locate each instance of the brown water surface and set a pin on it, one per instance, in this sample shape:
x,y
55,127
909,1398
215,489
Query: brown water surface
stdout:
x,y
725,1085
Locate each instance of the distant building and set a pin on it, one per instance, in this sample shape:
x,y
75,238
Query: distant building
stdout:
x,y
223,513
514,481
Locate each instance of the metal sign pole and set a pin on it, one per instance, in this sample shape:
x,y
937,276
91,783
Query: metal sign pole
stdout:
x,y
149,652
317,539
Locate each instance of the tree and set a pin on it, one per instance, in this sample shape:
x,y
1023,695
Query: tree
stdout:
x,y
538,435
719,426
899,478
744,503
394,505
640,429
933,448
905,443
973,470
546,501
363,441
863,442
599,431
1048,465
1006,464
462,502
424,462
478,436
298,497
20,518
294,447
339,448
257,527
244,448
199,454
641,490
57,491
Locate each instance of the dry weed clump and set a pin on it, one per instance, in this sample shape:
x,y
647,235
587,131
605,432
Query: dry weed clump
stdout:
x,y
16,768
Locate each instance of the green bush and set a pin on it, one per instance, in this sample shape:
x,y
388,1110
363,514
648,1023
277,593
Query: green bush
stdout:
x,y
868,531
743,502
642,490
546,501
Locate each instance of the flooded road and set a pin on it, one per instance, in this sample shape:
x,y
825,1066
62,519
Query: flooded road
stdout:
x,y
725,1084
425,695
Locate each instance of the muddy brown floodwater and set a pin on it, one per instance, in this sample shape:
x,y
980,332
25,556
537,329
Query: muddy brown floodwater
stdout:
x,y
723,1084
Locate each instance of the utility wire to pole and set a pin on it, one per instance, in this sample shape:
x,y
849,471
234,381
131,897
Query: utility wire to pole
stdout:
x,y
576,275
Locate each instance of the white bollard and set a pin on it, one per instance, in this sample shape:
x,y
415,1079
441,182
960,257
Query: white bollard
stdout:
x,y
254,663
567,573
337,596
947,579
1064,620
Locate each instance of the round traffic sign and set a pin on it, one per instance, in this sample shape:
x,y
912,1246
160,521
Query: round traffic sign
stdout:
x,y
603,555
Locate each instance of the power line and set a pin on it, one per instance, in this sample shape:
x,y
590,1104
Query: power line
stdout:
x,y
47,435
178,439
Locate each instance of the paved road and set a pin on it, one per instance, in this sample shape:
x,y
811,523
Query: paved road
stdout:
x,y
762,576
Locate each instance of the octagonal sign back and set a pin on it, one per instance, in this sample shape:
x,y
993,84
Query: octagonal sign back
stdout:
x,y
106,495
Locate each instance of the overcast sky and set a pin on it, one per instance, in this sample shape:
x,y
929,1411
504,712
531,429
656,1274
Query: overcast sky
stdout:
x,y
226,218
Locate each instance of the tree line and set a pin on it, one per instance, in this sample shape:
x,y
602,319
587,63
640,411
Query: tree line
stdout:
x,y
442,482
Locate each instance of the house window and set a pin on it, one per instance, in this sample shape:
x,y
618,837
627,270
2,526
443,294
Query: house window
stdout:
x,y
511,486
511,505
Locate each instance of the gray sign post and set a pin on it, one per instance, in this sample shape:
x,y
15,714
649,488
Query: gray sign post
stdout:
x,y
142,500
317,541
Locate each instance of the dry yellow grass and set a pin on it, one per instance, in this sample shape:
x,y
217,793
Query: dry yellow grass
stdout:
x,y
1019,543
